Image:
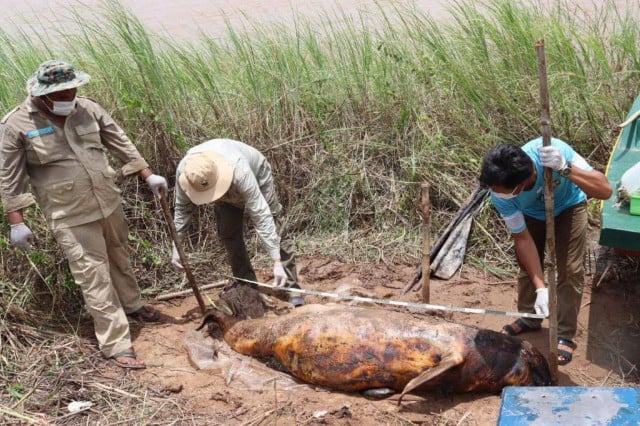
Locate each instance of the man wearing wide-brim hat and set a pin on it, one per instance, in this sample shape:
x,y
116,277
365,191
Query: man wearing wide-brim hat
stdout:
x,y
55,144
237,179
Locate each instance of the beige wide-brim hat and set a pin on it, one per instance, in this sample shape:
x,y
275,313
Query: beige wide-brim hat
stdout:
x,y
55,76
207,176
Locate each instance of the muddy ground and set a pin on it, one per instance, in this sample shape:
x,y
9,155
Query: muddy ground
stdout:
x,y
238,391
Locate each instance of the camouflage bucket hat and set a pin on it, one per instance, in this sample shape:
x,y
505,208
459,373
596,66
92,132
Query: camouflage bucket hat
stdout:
x,y
54,76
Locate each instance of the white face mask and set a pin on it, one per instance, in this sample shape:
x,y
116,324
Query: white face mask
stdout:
x,y
507,196
63,108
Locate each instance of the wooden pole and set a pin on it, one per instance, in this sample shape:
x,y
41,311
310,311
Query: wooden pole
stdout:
x,y
426,244
545,127
181,293
183,256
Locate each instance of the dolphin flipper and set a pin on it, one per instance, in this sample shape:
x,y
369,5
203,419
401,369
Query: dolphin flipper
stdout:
x,y
447,362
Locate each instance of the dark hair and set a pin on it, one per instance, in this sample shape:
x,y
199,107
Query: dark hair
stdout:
x,y
505,165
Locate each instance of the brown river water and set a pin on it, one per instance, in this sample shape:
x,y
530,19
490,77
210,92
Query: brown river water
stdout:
x,y
187,19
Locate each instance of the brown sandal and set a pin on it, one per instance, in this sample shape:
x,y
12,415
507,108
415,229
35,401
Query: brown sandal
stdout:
x,y
126,354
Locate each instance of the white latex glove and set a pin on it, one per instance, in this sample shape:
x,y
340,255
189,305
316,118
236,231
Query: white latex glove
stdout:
x,y
175,258
542,302
279,275
21,236
550,156
156,182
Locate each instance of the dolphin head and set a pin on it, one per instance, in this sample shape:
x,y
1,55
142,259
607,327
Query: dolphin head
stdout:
x,y
534,366
500,360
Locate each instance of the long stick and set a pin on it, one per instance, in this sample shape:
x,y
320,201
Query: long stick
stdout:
x,y
545,127
426,243
181,293
396,302
183,256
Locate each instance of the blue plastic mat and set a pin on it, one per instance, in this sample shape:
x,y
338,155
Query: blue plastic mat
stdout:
x,y
569,406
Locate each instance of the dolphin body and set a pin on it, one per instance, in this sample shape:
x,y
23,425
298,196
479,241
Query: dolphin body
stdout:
x,y
363,349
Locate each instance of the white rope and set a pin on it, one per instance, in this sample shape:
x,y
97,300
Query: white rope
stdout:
x,y
425,306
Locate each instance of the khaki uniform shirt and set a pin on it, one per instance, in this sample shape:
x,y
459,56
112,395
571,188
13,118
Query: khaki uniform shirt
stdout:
x,y
67,168
251,189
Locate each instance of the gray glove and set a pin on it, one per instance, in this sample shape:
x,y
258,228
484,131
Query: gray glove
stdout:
x,y
156,182
175,258
279,275
550,156
21,236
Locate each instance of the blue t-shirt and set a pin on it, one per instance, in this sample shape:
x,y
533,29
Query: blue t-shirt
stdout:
x,y
531,202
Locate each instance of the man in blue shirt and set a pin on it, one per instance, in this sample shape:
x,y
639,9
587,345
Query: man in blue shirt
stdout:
x,y
516,178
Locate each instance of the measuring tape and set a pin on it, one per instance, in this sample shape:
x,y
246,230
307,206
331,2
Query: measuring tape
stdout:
x,y
397,303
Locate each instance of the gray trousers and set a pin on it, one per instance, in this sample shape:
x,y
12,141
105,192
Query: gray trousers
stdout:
x,y
230,224
571,244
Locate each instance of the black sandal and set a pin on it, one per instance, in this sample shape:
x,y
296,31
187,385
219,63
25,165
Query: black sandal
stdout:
x,y
522,328
565,357
146,314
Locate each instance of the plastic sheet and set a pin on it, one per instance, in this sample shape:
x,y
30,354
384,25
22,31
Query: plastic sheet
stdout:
x,y
239,371
630,180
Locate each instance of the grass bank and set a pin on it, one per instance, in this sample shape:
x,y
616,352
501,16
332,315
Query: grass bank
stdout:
x,y
352,118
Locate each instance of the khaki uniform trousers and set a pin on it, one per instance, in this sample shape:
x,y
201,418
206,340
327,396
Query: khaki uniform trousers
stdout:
x,y
231,229
99,261
571,243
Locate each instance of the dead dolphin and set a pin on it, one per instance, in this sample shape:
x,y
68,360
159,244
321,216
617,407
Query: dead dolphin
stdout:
x,y
356,349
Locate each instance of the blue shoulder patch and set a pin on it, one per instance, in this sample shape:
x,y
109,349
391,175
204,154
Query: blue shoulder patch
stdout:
x,y
39,132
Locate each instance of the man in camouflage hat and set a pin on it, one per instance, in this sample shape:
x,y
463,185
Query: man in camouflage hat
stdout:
x,y
56,142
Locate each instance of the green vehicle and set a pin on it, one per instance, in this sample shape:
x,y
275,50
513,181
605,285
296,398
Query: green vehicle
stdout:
x,y
620,221
620,215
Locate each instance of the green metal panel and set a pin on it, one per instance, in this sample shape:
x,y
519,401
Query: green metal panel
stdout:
x,y
618,228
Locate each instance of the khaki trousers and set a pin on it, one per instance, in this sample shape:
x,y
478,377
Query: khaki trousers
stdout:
x,y
571,243
231,231
99,261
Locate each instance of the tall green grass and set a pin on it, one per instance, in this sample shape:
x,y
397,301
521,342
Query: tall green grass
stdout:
x,y
353,117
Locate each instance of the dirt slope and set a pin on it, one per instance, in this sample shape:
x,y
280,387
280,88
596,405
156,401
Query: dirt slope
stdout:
x,y
238,391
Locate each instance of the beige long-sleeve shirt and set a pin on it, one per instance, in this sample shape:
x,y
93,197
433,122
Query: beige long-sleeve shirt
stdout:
x,y
252,189
67,167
